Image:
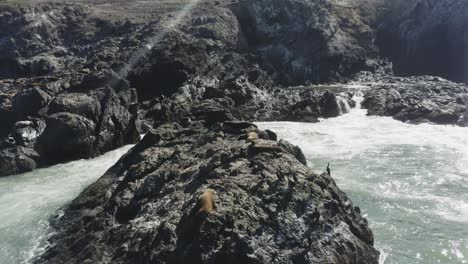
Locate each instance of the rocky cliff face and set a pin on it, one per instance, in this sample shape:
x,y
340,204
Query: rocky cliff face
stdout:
x,y
270,208
64,58
426,37
308,41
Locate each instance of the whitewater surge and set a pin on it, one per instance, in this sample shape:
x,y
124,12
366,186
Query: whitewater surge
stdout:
x,y
28,200
411,181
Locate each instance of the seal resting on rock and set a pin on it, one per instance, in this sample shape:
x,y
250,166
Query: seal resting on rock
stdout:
x,y
252,136
206,203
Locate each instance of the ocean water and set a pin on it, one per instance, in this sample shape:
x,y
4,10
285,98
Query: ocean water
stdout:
x,y
410,181
28,200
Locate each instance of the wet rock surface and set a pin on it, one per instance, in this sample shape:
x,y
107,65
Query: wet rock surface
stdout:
x,y
270,208
423,99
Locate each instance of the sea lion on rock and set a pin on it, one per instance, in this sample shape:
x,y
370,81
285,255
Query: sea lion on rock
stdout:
x,y
206,203
252,136
249,137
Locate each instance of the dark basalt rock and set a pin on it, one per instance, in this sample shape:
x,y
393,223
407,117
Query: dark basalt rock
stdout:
x,y
28,102
76,103
418,100
15,160
426,37
270,207
295,150
67,137
72,126
211,112
308,41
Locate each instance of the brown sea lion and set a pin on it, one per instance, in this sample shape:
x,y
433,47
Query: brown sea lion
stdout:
x,y
206,203
252,136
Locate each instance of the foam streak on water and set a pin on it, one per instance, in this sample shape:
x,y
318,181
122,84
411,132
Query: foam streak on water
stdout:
x,y
28,200
410,180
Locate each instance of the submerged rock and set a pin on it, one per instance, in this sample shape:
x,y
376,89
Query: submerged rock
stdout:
x,y
270,208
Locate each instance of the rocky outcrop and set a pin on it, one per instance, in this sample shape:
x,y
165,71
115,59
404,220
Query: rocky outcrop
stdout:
x,y
426,37
301,104
270,208
418,100
61,55
72,126
308,41
15,160
34,39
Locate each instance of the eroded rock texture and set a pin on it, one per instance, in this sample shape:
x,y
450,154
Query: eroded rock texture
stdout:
x,y
91,71
309,41
423,99
426,37
270,208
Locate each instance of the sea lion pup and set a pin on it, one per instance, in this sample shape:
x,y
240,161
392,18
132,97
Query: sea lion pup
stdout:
x,y
206,203
252,136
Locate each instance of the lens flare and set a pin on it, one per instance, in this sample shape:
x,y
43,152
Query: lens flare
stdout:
x,y
153,40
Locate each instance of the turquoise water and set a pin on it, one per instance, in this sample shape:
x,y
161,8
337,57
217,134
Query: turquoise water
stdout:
x,y
411,181
28,200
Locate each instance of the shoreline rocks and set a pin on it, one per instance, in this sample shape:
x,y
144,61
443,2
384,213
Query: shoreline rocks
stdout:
x,y
72,126
423,99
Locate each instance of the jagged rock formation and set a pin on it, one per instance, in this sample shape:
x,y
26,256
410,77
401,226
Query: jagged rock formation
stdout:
x,y
308,41
426,37
71,126
418,100
270,208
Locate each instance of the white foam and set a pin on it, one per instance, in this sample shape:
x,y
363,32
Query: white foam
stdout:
x,y
29,199
409,178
